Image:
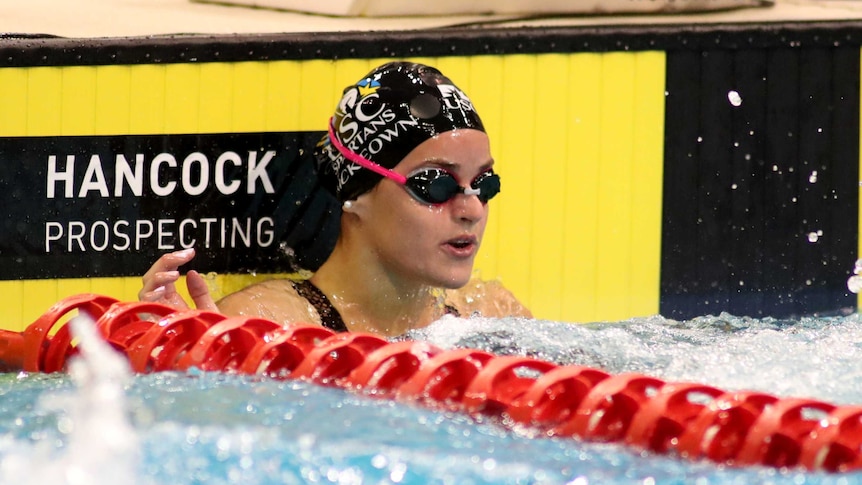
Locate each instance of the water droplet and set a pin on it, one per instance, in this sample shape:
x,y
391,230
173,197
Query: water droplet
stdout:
x,y
734,98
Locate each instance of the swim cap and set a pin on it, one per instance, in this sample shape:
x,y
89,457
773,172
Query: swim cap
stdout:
x,y
383,117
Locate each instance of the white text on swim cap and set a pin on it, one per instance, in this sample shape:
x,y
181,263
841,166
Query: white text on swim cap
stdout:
x,y
455,98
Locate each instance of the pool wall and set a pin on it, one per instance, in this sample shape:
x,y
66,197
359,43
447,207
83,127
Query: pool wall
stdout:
x,y
681,170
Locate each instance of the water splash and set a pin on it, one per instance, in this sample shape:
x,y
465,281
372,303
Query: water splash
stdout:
x,y
93,442
808,357
854,283
734,98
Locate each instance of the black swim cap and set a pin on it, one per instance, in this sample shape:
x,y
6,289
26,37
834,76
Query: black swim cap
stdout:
x,y
383,117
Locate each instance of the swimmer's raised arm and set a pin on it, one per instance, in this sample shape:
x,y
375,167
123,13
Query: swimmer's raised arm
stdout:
x,y
160,283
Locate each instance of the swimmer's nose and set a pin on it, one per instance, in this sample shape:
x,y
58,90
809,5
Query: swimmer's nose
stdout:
x,y
468,207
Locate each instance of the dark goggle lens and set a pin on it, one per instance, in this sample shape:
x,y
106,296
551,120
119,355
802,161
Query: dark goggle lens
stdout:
x,y
488,185
436,186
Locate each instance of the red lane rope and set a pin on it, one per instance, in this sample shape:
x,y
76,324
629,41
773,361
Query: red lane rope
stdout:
x,y
687,419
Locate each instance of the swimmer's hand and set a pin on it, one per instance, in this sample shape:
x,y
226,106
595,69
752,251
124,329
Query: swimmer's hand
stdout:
x,y
160,283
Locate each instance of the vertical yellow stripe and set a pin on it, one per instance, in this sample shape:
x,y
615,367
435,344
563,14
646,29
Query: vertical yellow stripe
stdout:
x,y
248,110
455,68
615,182
38,297
78,101
215,92
516,151
67,287
859,199
44,101
113,101
580,262
147,99
123,289
13,305
486,93
648,156
14,110
281,96
316,92
182,98
549,125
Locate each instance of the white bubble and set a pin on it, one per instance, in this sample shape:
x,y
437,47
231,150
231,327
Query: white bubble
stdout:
x,y
734,98
854,284
813,177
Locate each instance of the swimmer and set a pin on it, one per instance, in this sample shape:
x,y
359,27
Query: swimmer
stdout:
x,y
408,157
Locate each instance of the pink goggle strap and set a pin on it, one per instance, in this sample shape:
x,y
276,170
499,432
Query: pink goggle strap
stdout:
x,y
362,161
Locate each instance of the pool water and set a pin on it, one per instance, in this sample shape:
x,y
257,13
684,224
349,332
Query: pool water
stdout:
x,y
101,424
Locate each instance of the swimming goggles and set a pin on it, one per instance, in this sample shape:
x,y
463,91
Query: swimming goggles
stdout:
x,y
427,185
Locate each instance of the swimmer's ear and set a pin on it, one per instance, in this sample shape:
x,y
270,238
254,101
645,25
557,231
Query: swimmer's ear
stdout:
x,y
358,206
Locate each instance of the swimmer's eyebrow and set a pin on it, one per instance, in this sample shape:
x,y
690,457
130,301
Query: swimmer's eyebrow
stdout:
x,y
452,166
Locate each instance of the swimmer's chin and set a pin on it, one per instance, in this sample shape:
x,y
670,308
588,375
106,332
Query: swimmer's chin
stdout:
x,y
455,282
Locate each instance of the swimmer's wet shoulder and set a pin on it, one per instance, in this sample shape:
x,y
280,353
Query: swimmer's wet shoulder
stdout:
x,y
279,300
488,298
275,299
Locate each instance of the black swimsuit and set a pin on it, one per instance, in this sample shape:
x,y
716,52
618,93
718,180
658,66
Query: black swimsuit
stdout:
x,y
329,316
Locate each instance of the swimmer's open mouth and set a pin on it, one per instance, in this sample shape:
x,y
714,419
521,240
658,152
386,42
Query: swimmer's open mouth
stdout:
x,y
462,242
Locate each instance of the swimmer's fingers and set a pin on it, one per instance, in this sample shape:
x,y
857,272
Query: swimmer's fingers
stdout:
x,y
168,262
158,285
200,292
159,281
165,290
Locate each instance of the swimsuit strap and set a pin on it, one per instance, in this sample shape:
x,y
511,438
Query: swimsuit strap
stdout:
x,y
329,316
450,310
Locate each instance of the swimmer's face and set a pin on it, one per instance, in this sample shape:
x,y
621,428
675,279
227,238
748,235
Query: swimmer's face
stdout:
x,y
432,244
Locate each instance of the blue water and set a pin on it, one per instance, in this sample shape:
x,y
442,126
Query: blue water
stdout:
x,y
99,425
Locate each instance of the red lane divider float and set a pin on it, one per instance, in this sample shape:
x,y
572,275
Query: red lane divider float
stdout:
x,y
687,419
